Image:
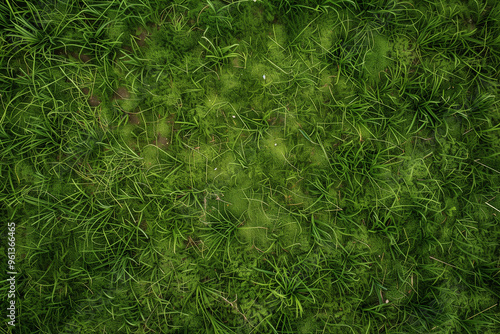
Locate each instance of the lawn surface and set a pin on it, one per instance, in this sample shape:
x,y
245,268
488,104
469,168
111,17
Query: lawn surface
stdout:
x,y
251,166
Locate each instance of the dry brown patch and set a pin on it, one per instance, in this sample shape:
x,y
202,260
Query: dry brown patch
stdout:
x,y
143,34
85,58
161,141
171,119
94,101
133,119
81,56
60,52
121,94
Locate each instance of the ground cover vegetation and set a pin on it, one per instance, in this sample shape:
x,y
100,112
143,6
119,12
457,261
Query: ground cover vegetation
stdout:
x,y
252,166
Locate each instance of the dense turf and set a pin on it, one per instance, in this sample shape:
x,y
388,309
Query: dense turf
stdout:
x,y
251,166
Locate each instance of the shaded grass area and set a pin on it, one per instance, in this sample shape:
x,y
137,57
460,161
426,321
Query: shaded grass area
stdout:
x,y
252,166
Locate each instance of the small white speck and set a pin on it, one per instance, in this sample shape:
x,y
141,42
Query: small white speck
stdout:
x,y
387,301
215,168
234,116
264,77
275,144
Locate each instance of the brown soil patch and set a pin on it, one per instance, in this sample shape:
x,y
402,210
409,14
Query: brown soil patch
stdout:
x,y
273,120
85,58
133,119
143,34
85,91
60,52
171,119
94,101
121,94
161,141
81,56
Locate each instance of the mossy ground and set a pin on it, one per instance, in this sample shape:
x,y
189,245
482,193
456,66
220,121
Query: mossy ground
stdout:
x,y
252,166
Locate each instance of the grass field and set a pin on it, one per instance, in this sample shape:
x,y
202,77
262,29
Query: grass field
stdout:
x,y
268,166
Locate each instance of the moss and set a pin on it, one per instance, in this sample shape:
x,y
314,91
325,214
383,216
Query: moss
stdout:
x,y
164,128
230,81
151,176
257,227
239,203
343,88
403,51
376,59
24,172
277,43
150,155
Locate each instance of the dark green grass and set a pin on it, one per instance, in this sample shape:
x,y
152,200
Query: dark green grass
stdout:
x,y
252,167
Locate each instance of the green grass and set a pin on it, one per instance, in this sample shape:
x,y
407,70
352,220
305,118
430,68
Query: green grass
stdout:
x,y
251,166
